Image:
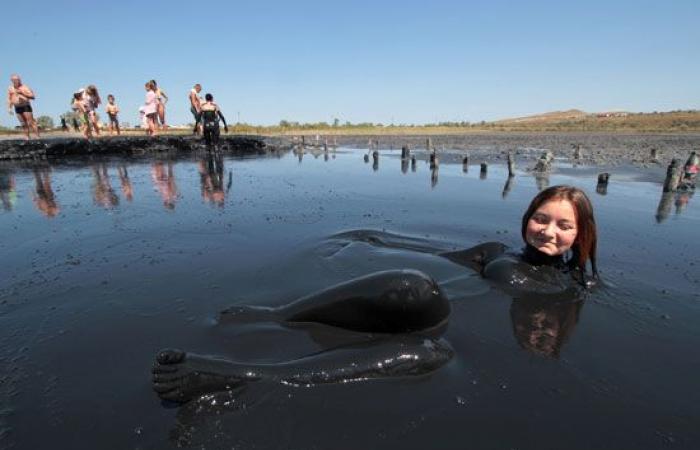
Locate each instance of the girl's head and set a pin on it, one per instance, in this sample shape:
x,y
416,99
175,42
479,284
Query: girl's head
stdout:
x,y
149,86
92,89
110,98
153,82
560,219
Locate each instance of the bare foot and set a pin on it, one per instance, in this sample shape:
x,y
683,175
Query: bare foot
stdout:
x,y
179,376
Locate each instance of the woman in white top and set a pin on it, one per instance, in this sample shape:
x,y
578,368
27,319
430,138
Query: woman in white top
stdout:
x,y
151,109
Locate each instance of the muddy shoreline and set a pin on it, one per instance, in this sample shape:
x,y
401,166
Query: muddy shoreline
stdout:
x,y
601,149
59,147
596,149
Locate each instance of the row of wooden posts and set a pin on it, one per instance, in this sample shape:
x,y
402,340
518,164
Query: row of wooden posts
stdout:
x,y
673,173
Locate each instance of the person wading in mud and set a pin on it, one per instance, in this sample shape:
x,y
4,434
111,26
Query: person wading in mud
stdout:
x,y
210,116
19,97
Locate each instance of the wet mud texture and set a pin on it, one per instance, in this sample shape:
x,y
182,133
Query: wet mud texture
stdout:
x,y
595,148
128,146
105,261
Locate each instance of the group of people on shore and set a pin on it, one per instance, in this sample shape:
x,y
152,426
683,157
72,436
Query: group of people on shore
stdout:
x,y
86,101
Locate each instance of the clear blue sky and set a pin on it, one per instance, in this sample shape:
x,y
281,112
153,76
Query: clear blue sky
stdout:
x,y
406,61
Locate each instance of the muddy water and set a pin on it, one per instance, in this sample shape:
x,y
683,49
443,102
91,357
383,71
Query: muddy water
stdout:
x,y
104,262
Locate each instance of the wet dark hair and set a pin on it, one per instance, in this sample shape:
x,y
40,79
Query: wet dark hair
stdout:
x,y
208,97
584,247
110,96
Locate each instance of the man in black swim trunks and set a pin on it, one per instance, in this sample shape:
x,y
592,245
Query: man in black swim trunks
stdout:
x,y
19,97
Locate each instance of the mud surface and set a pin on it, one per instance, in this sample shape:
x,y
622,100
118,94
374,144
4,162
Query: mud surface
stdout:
x,y
108,260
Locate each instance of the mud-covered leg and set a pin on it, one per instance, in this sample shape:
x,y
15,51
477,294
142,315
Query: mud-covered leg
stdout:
x,y
392,301
180,376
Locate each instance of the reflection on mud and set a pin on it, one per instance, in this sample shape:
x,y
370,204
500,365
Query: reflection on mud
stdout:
x,y
212,178
680,199
542,180
215,183
127,189
8,194
103,194
543,327
164,182
44,198
507,187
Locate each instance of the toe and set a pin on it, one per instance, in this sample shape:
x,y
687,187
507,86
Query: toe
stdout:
x,y
170,356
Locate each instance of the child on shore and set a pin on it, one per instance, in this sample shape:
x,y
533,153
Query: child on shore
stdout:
x,y
112,111
79,107
91,100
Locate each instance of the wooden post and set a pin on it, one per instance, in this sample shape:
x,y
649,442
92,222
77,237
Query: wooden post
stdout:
x,y
366,157
405,152
465,164
577,151
673,175
602,186
433,160
428,145
654,155
413,163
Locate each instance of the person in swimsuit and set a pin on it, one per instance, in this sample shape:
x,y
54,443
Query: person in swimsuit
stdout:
x,y
112,111
151,109
92,100
405,310
196,107
162,100
210,115
19,97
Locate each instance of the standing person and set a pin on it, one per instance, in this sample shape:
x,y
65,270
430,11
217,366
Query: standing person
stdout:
x,y
79,106
210,121
162,100
196,106
112,111
64,125
91,100
19,97
151,109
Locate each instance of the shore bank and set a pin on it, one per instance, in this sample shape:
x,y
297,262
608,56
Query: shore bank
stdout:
x,y
57,147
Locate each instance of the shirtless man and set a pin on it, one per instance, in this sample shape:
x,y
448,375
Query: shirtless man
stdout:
x,y
19,97
196,107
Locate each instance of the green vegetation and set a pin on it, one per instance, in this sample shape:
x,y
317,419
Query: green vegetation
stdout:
x,y
45,122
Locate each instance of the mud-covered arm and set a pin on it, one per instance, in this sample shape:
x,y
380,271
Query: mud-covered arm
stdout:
x,y
223,119
476,257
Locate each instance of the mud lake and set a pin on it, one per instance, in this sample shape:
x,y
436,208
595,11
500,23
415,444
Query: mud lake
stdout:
x,y
107,261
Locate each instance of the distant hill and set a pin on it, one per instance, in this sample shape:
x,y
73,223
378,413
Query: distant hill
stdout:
x,y
554,116
577,120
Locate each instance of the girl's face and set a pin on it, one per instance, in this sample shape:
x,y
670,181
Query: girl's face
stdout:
x,y
552,227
